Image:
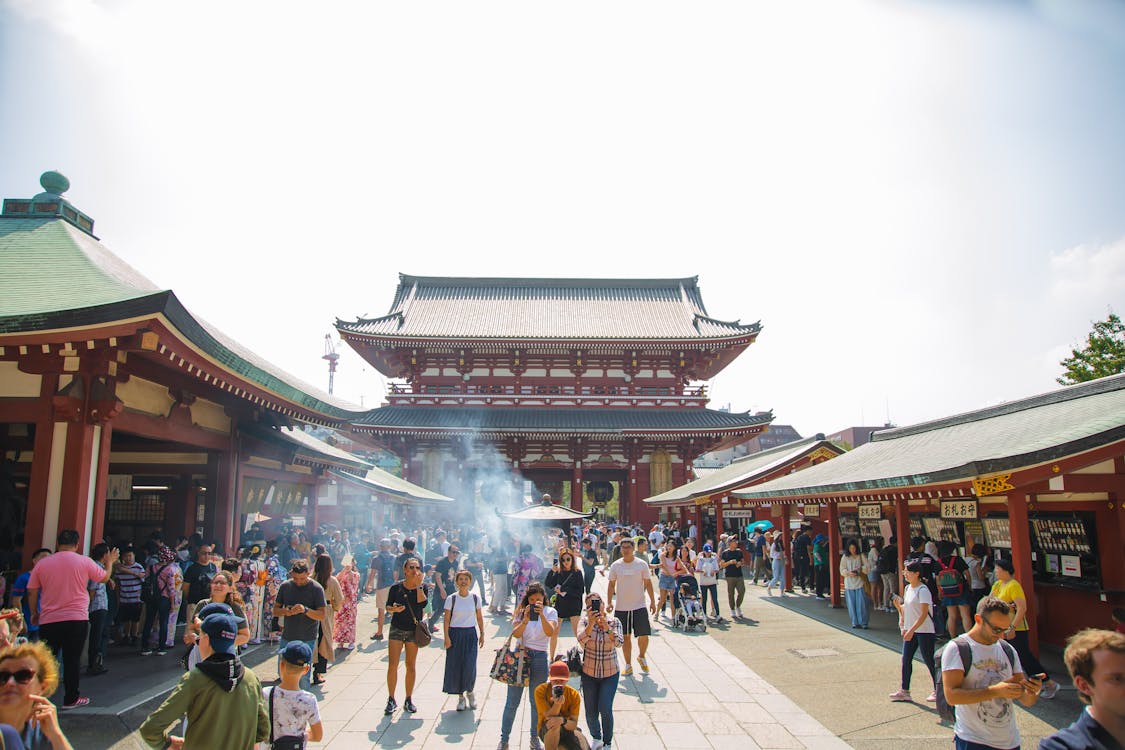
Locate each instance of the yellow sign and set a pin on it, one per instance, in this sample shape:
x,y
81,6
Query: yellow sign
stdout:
x,y
993,485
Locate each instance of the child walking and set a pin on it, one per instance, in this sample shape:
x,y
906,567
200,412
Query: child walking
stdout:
x,y
294,713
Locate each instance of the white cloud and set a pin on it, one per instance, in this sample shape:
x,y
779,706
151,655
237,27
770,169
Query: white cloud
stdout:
x,y
1089,277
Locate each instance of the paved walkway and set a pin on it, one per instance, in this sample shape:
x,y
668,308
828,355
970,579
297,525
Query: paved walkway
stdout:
x,y
698,695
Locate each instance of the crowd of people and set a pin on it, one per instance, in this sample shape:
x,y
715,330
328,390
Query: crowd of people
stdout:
x,y
431,583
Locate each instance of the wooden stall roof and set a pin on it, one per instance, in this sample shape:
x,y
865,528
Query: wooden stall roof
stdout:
x,y
744,471
958,449
384,483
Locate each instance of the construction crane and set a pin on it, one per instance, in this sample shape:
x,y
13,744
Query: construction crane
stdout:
x,y
332,357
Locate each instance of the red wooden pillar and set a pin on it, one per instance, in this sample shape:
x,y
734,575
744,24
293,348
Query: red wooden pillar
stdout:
x,y
626,511
576,487
786,542
1021,559
698,527
225,496
48,451
834,551
902,534
718,519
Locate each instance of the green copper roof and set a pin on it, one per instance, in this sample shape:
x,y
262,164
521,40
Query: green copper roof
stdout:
x,y
55,275
49,264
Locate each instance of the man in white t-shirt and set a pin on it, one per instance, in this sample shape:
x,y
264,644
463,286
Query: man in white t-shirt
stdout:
x,y
630,579
982,692
656,536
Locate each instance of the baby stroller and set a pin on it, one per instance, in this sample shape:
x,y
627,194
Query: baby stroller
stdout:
x,y
689,614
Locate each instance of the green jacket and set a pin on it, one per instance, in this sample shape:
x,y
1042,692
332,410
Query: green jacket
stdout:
x,y
233,720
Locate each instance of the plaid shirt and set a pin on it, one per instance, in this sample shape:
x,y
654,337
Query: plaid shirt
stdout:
x,y
599,648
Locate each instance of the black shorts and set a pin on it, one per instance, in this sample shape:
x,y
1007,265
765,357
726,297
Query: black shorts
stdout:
x,y
129,612
634,621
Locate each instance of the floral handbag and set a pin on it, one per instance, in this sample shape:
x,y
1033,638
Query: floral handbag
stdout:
x,y
511,667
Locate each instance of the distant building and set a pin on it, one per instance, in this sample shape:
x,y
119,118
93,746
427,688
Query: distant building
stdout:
x,y
852,437
777,434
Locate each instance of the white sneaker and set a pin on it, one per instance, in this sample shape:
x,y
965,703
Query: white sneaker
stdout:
x,y
597,745
472,700
462,704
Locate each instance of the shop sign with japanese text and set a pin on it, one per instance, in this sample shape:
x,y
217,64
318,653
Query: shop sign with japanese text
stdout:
x,y
959,510
870,511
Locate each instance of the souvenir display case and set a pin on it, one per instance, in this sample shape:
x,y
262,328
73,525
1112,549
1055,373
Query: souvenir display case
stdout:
x,y
942,529
849,527
997,533
1065,549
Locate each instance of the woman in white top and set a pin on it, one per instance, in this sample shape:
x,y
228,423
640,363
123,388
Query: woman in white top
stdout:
x,y
707,566
534,623
464,635
777,564
917,629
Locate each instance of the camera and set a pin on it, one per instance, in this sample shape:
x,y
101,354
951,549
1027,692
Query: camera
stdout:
x,y
556,691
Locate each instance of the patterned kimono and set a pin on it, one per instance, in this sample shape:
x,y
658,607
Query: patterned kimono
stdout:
x,y
250,592
344,631
275,576
176,586
527,568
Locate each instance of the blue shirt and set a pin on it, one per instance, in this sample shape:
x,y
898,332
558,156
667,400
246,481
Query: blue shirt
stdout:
x,y
19,588
1083,734
98,600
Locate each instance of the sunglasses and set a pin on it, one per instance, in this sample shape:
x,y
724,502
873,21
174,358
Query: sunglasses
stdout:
x,y
995,630
22,676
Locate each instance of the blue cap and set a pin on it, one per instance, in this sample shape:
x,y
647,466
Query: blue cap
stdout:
x,y
708,548
221,629
214,608
297,653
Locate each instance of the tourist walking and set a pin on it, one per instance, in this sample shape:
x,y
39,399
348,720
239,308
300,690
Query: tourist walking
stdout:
x,y
707,566
671,568
982,686
499,565
917,628
874,579
406,601
223,591
221,698
344,627
300,600
334,601
777,564
464,637
731,564
1008,589
853,569
888,572
275,576
383,568
59,601
599,636
630,579
534,624
564,583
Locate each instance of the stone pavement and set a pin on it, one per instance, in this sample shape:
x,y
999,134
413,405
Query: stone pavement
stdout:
x,y
698,695
842,677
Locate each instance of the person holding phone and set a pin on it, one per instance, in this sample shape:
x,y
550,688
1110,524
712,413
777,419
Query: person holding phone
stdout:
x,y
558,704
535,624
406,602
600,636
917,628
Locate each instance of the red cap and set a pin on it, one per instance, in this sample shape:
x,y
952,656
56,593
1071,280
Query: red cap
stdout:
x,y
559,670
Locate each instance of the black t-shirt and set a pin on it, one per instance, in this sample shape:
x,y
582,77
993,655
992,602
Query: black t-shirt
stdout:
x,y
405,619
732,571
300,627
929,570
198,578
801,547
445,570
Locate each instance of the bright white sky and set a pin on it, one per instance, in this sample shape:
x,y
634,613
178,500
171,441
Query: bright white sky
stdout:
x,y
921,201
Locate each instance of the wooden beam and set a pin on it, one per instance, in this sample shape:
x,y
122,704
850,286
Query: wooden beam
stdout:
x,y
158,428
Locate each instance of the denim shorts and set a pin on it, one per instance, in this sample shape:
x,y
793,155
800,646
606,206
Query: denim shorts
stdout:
x,y
667,583
954,601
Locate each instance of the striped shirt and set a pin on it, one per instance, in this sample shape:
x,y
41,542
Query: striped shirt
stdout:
x,y
599,648
129,587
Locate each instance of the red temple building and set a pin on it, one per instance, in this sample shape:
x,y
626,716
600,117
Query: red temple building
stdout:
x,y
589,388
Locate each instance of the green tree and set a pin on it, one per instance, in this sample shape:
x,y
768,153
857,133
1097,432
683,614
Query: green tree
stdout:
x,y
1103,354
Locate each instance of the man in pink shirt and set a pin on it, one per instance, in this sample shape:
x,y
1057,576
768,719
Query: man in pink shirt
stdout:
x,y
59,599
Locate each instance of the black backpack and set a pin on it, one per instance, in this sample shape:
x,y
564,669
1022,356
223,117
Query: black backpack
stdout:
x,y
150,587
888,561
965,651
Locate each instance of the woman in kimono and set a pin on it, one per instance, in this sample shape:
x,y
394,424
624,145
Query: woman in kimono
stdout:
x,y
344,632
275,576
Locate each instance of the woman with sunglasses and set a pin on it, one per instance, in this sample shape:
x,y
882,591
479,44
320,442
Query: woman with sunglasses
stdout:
x,y
28,677
564,582
223,591
406,603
